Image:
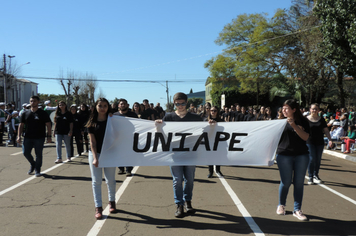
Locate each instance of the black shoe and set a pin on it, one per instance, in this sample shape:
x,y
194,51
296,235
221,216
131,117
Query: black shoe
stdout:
x,y
189,208
121,172
210,175
38,174
180,211
219,174
128,173
31,170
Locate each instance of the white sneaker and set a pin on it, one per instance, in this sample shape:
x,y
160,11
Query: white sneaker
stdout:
x,y
58,161
310,181
281,210
317,180
299,214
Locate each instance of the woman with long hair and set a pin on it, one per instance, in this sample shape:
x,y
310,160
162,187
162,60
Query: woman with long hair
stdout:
x,y
84,114
315,142
262,114
136,107
268,114
77,131
96,128
293,157
63,130
214,117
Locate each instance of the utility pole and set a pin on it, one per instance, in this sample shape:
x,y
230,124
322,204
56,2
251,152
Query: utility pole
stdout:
x,y
5,78
167,94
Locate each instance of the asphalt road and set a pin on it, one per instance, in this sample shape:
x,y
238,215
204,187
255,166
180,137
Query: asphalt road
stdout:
x,y
244,202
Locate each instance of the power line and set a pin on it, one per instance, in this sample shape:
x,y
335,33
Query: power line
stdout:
x,y
119,80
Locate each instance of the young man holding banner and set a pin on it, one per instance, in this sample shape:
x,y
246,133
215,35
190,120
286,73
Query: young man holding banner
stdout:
x,y
182,196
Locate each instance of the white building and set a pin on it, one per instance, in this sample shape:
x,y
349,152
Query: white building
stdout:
x,y
18,90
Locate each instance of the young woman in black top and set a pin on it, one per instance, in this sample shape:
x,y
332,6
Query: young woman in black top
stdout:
x,y
96,128
293,157
214,117
63,130
315,142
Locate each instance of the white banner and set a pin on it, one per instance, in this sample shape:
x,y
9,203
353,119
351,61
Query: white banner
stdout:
x,y
136,142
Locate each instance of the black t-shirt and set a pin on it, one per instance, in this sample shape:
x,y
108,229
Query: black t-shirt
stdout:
x,y
290,143
240,116
99,133
127,114
35,123
188,117
63,123
146,114
232,115
316,135
77,122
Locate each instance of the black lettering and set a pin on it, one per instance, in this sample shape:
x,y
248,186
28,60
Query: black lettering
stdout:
x,y
218,139
200,141
233,141
165,145
148,142
181,144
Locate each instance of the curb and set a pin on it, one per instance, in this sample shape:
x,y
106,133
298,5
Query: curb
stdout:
x,y
340,155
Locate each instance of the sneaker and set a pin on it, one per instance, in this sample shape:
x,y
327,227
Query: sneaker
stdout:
x,y
128,173
121,172
310,181
210,175
317,180
219,174
69,159
188,207
281,210
180,211
37,174
31,170
299,214
58,161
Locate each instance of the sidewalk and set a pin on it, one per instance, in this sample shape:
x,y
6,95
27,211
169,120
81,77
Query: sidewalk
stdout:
x,y
339,154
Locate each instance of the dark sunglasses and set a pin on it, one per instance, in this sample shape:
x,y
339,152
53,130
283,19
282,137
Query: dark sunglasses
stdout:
x,y
180,104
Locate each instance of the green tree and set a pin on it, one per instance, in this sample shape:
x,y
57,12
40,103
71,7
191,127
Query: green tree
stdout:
x,y
338,27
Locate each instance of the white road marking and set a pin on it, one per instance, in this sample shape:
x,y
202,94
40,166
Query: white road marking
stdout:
x,y
99,223
16,153
254,227
335,192
31,178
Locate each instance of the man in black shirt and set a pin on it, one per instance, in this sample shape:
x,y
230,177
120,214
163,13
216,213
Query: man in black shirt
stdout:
x,y
124,111
182,196
35,120
148,112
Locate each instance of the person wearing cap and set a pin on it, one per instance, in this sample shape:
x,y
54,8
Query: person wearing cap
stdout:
x,y
35,121
24,108
48,107
336,132
15,122
2,122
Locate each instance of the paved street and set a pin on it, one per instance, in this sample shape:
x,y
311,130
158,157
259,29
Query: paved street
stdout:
x,y
244,202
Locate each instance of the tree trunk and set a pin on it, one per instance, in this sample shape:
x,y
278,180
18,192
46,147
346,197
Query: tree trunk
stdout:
x,y
339,82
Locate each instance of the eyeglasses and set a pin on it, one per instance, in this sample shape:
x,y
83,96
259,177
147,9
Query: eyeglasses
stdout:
x,y
213,110
180,104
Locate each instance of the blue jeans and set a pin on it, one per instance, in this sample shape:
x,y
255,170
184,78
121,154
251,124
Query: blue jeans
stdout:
x,y
315,153
97,179
66,139
292,168
180,174
27,145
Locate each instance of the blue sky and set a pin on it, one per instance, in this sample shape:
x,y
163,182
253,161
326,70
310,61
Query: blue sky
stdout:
x,y
121,40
